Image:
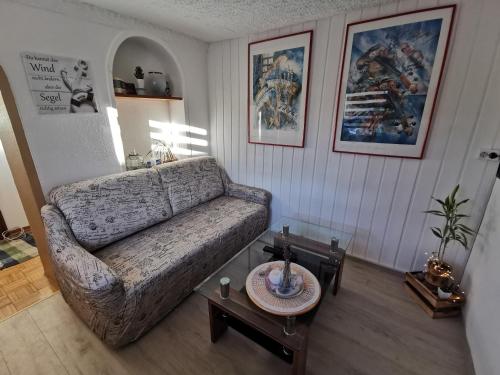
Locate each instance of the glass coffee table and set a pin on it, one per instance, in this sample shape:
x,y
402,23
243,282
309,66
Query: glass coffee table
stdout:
x,y
319,249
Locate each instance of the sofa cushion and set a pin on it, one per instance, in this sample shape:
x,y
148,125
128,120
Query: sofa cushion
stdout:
x,y
106,209
190,182
209,233
161,265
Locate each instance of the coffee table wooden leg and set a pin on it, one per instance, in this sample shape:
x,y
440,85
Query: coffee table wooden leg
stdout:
x,y
299,362
217,323
338,278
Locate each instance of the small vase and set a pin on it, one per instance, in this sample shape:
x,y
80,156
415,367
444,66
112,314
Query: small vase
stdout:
x,y
156,83
139,83
438,272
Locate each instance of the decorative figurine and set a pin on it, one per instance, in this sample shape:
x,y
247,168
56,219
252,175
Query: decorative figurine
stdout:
x,y
281,282
285,284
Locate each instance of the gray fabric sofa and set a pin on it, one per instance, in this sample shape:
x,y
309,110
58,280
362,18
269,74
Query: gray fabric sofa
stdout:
x,y
127,248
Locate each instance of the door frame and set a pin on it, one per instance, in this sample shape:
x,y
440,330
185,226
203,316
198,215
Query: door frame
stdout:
x,y
23,171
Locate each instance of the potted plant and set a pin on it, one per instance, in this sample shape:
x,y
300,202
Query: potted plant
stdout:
x,y
453,230
139,77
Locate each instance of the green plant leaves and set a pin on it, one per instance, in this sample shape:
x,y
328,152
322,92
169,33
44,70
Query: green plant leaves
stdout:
x,y
454,193
435,212
437,232
452,229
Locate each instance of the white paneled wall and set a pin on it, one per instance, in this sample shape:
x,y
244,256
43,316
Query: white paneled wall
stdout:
x,y
380,199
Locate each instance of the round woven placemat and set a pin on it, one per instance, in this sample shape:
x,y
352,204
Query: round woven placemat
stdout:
x,y
305,301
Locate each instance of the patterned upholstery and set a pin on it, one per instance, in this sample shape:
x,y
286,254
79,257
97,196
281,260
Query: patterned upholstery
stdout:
x,y
177,255
106,209
249,193
92,288
191,181
123,289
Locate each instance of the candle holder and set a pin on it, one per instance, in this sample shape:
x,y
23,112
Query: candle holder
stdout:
x,y
289,328
224,287
335,255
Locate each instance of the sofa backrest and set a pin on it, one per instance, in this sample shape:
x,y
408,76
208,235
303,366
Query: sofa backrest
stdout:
x,y
108,208
190,182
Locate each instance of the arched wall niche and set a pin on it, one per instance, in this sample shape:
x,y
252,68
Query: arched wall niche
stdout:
x,y
141,122
151,56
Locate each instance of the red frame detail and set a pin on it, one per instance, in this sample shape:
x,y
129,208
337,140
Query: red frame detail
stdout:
x,y
310,32
335,123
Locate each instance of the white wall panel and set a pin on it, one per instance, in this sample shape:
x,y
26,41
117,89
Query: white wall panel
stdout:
x,y
379,199
68,148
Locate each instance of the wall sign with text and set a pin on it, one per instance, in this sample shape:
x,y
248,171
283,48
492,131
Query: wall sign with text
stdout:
x,y
59,84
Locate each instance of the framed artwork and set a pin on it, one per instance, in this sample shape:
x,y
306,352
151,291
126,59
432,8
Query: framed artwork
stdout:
x,y
278,85
390,75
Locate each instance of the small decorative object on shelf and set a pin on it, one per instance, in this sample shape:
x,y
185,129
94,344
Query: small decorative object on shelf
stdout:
x,y
168,89
224,287
156,84
152,162
439,272
161,152
119,86
134,161
139,79
445,291
430,299
130,89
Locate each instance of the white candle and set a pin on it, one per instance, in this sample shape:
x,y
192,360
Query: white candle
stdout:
x,y
275,276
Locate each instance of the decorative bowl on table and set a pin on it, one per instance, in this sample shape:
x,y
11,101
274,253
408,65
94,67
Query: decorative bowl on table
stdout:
x,y
295,305
277,288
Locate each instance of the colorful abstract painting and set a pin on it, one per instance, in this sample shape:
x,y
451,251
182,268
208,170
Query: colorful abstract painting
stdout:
x,y
391,73
278,70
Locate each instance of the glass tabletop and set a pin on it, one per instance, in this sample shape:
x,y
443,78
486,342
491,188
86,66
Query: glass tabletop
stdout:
x,y
258,252
315,232
238,268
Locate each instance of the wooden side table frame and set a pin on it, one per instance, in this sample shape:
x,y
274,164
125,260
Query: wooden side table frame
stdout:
x,y
264,329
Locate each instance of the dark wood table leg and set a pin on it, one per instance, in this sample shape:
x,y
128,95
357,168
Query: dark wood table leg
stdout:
x,y
299,362
218,324
338,278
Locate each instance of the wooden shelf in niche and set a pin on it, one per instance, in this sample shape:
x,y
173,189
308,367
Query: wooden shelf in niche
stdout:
x,y
148,97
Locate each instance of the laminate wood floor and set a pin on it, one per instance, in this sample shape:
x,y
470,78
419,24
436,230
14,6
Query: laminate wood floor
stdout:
x,y
371,327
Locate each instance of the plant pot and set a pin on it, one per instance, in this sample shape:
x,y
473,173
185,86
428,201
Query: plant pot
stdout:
x,y
139,83
438,272
444,295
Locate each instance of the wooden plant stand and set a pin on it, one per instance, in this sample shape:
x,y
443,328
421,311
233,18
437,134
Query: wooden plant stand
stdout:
x,y
427,298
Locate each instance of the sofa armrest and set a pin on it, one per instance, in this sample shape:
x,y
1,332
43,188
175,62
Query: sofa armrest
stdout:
x,y
76,269
249,193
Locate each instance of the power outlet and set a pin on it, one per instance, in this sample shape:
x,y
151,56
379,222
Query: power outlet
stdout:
x,y
489,154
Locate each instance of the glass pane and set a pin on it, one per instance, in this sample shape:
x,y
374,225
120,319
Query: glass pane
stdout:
x,y
237,268
313,231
